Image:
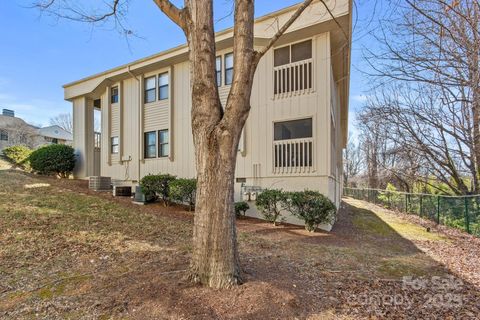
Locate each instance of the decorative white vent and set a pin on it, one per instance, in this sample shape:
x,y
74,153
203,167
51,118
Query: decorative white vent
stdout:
x,y
293,79
293,156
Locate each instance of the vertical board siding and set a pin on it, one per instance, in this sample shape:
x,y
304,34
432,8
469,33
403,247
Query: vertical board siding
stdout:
x,y
115,126
156,116
131,122
257,159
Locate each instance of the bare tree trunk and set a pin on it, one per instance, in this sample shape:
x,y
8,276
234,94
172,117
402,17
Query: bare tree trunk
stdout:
x,y
215,132
475,84
215,259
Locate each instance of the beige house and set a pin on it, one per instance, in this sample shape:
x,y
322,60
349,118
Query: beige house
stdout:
x,y
15,131
293,138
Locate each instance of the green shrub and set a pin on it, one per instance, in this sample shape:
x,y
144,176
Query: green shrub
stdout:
x,y
270,202
312,207
241,208
389,196
183,191
18,155
157,186
58,159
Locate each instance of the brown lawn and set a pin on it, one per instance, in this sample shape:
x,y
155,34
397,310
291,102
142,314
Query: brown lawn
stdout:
x,y
69,253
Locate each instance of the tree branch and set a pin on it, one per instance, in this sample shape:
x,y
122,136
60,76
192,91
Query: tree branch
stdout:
x,y
78,14
179,16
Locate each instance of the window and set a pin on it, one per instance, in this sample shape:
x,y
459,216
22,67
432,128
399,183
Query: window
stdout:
x,y
150,143
295,154
302,51
23,139
218,68
281,56
3,135
150,91
163,86
295,129
295,77
228,69
114,95
114,145
293,53
163,146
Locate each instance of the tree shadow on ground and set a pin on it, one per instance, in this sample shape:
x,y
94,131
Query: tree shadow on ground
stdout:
x,y
290,274
355,271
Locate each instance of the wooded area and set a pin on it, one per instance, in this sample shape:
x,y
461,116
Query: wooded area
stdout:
x,y
420,126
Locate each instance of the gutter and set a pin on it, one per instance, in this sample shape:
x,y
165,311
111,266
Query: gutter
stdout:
x,y
140,117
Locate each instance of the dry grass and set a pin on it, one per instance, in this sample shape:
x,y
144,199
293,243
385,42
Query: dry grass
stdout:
x,y
69,253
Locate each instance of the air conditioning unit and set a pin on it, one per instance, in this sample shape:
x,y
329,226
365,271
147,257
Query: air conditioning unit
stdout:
x,y
98,183
253,196
140,197
122,191
246,196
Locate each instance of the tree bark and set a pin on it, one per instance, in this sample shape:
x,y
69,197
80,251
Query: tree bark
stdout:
x,y
216,134
215,259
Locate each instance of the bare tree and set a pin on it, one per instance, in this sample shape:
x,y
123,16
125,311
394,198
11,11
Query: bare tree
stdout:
x,y
21,133
428,93
352,161
216,131
64,121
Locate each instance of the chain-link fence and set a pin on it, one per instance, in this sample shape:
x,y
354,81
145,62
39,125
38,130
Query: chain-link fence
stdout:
x,y
459,212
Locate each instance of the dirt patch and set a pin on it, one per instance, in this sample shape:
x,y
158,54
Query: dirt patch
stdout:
x,y
68,252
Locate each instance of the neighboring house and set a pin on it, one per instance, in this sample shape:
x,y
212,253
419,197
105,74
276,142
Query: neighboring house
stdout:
x,y
15,131
293,138
55,134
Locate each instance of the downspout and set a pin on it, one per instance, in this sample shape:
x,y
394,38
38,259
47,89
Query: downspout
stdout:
x,y
139,118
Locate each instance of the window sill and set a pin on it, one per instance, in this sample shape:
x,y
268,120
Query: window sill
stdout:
x,y
156,158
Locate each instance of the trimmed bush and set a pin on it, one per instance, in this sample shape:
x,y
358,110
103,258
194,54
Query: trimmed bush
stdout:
x,y
183,191
18,155
312,207
270,203
241,208
54,159
157,186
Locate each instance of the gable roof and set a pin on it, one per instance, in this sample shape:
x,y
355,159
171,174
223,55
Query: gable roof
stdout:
x,y
264,29
55,132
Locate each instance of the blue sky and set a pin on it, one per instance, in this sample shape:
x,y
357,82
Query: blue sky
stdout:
x,y
38,53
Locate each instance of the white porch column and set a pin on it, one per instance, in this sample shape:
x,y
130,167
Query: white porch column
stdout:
x,y
83,137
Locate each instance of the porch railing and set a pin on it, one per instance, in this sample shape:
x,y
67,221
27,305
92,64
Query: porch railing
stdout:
x,y
293,79
293,156
97,139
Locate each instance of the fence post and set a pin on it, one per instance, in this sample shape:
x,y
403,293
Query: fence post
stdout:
x,y
421,206
406,203
467,218
438,210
